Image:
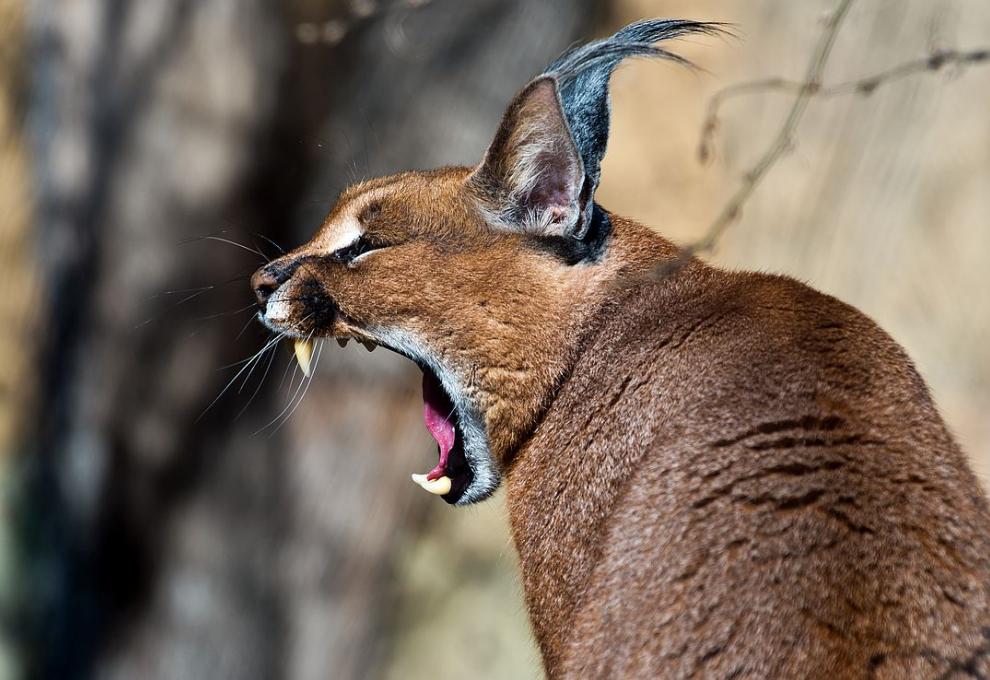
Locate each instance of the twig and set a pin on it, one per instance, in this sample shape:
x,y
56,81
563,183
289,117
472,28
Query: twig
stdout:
x,y
862,86
782,141
805,90
780,144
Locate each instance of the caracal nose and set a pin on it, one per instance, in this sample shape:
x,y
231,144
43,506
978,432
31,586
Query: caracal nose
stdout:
x,y
266,281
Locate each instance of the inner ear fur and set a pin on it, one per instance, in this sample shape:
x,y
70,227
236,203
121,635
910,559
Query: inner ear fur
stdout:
x,y
532,175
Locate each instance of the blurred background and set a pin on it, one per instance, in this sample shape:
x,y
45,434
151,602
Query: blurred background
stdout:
x,y
151,530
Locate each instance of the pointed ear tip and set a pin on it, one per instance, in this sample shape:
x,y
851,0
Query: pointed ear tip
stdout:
x,y
541,97
544,86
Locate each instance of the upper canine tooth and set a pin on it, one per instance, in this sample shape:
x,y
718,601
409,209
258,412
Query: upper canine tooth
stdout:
x,y
438,486
342,342
368,345
304,355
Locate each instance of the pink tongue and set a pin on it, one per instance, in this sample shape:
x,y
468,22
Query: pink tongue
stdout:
x,y
437,411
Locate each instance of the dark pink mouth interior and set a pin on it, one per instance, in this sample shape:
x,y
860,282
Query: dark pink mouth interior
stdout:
x,y
438,413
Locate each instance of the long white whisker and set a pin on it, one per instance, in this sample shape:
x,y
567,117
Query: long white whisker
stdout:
x,y
287,406
271,360
244,328
219,314
268,344
292,363
239,245
243,368
257,363
280,248
192,296
182,291
291,406
303,395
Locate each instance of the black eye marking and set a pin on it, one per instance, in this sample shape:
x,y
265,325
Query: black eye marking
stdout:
x,y
365,244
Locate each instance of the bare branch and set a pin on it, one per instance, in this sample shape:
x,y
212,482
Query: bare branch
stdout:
x,y
782,141
780,144
865,86
806,89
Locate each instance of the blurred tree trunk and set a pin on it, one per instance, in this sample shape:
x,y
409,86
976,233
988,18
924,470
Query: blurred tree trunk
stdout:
x,y
169,542
17,312
148,116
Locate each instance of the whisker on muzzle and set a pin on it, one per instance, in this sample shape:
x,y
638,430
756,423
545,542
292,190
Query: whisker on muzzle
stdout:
x,y
309,382
230,242
297,396
248,363
272,353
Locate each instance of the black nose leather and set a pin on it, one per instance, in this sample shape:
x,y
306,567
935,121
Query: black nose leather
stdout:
x,y
267,280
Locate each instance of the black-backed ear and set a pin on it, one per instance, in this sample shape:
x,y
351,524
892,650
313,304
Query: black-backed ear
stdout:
x,y
544,165
532,175
583,74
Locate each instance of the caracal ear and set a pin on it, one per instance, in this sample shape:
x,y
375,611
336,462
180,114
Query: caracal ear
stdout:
x,y
532,174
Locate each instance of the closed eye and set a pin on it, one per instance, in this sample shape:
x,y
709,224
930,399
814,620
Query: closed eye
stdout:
x,y
364,244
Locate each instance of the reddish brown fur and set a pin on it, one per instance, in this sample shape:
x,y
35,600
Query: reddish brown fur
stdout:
x,y
746,478
710,474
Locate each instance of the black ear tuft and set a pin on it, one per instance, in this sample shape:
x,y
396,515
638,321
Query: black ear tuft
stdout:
x,y
583,75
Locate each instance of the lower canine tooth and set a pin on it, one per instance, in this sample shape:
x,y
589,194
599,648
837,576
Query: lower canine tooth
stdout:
x,y
438,486
304,355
